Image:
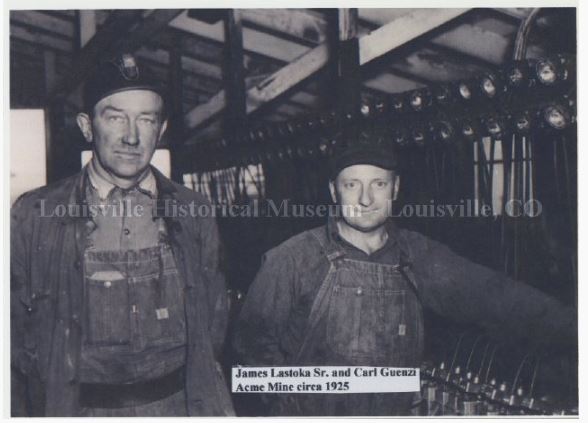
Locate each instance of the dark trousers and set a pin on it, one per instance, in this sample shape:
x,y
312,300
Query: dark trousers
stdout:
x,y
174,405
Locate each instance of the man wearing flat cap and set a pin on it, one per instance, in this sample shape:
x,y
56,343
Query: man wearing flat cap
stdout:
x,y
117,307
352,293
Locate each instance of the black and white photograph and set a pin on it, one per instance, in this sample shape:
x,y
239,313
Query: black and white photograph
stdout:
x,y
286,212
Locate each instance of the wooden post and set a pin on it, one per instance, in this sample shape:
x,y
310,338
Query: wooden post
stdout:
x,y
234,75
348,66
175,133
54,118
87,23
49,62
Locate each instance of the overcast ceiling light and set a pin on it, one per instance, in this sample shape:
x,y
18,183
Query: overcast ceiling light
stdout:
x,y
517,74
489,85
416,101
401,137
380,106
547,71
556,117
523,122
465,91
494,127
324,146
442,94
420,99
419,135
468,130
397,103
444,130
365,110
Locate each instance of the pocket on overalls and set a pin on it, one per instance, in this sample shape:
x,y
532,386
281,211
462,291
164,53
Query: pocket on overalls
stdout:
x,y
359,318
344,319
108,313
160,322
394,332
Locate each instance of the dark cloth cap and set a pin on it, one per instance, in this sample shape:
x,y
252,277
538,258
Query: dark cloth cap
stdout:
x,y
122,73
368,150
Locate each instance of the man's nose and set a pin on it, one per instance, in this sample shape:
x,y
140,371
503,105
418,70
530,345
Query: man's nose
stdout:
x,y
132,135
366,198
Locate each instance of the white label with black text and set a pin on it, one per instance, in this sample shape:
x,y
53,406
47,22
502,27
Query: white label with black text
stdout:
x,y
325,379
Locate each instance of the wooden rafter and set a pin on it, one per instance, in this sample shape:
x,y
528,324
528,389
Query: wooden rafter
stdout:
x,y
480,43
253,41
296,23
48,41
391,84
405,28
42,21
87,26
234,74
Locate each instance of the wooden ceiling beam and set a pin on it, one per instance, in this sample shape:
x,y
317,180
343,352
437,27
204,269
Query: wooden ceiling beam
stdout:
x,y
461,56
191,80
409,76
295,23
20,33
43,21
377,43
402,30
434,67
519,13
87,23
391,84
189,64
253,41
479,43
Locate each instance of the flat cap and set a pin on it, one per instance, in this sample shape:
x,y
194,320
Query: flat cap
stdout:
x,y
121,73
365,148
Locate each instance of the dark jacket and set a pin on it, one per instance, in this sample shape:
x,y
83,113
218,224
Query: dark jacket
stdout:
x,y
47,291
274,320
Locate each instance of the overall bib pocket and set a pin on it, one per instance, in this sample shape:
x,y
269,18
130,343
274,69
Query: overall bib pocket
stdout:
x,y
164,321
366,323
108,313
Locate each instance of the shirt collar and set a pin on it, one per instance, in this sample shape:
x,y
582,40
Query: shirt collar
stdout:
x,y
147,185
334,235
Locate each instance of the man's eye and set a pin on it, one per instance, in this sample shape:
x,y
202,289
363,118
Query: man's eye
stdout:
x,y
116,119
349,185
147,121
381,184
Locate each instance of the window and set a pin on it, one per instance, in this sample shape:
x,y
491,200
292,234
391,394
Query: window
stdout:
x,y
224,186
490,172
27,151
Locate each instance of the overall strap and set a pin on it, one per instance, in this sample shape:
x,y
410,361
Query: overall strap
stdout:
x,y
321,301
405,266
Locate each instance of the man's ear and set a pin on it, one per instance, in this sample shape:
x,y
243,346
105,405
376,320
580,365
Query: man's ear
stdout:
x,y
333,191
396,187
85,124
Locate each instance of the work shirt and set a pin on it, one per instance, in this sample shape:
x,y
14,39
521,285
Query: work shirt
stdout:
x,y
274,321
125,217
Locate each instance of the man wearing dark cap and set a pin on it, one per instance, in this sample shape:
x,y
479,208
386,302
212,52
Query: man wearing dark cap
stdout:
x,y
352,293
117,307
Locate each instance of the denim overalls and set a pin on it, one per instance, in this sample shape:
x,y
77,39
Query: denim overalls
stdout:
x,y
134,327
372,317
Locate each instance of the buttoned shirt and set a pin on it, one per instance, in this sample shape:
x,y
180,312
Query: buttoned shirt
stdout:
x,y
123,218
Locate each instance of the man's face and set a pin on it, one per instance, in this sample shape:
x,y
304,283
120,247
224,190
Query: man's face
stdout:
x,y
368,191
125,128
